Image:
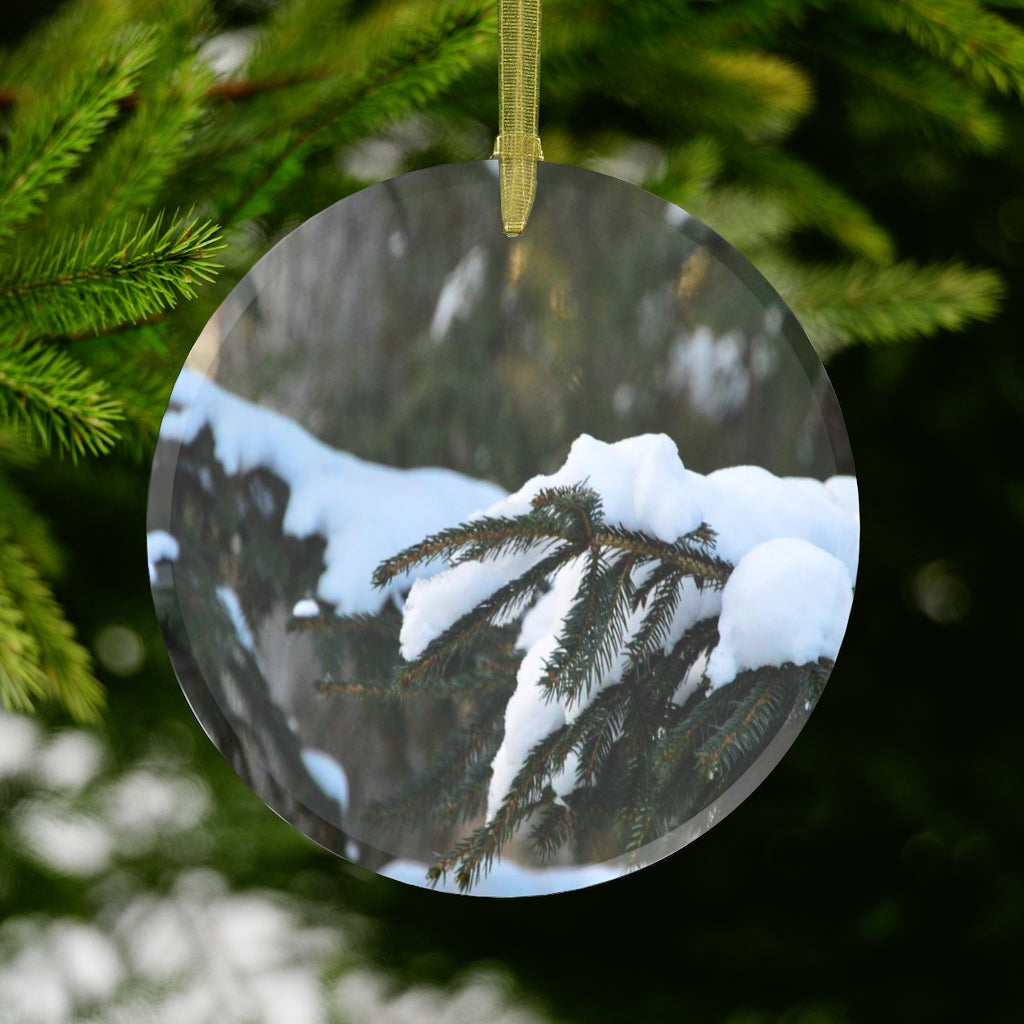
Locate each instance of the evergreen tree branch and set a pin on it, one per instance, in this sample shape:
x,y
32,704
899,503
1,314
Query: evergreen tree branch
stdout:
x,y
859,302
116,274
31,531
756,708
810,199
474,855
48,139
962,32
131,169
40,661
54,401
429,667
417,68
453,789
918,95
594,629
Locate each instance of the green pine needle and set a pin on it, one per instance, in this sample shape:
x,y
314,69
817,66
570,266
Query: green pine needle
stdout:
x,y
40,660
52,401
33,533
973,39
863,303
49,137
117,274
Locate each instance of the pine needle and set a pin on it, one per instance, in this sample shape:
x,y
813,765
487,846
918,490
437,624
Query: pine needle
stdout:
x,y
40,660
52,401
48,138
117,274
859,302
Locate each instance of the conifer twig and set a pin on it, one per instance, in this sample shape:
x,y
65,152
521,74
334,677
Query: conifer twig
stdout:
x,y
55,402
117,274
49,139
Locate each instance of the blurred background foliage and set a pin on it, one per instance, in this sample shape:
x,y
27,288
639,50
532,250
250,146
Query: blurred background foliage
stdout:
x,y
868,157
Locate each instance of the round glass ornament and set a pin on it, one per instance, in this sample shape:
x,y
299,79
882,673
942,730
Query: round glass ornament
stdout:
x,y
505,566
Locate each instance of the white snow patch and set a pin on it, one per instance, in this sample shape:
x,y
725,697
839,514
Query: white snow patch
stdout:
x,y
367,512
747,505
307,608
786,601
711,369
508,879
460,288
641,480
160,547
229,601
327,774
436,602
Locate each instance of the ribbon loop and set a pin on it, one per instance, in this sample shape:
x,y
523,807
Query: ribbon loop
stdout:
x,y
518,145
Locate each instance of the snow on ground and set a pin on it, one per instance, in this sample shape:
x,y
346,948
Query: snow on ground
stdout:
x,y
507,879
366,512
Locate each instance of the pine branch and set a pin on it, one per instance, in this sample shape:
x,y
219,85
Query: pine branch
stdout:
x,y
554,828
116,274
474,855
48,139
414,70
40,661
429,668
915,94
594,629
454,788
756,709
659,597
55,402
137,367
567,522
32,533
881,305
690,171
963,32
597,729
810,199
130,171
750,220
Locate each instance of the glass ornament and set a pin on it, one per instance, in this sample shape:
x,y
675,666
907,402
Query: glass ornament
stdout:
x,y
503,565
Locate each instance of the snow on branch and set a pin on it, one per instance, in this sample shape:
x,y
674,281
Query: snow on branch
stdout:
x,y
624,571
623,637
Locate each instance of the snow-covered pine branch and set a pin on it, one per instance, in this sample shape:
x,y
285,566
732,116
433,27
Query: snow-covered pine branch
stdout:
x,y
642,592
619,640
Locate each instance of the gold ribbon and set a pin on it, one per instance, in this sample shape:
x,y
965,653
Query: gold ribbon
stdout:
x,y
518,144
